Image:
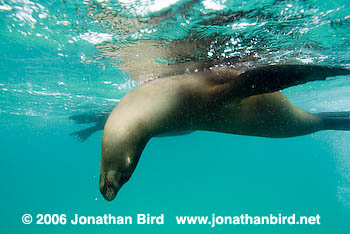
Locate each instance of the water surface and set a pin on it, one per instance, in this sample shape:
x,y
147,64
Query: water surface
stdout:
x,y
61,58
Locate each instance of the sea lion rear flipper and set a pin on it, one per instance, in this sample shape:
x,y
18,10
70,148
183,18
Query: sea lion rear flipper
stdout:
x,y
335,120
272,78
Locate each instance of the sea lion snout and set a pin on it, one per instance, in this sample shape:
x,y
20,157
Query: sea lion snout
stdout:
x,y
109,184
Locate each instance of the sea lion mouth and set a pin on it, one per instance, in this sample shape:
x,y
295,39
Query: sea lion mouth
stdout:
x,y
109,194
107,188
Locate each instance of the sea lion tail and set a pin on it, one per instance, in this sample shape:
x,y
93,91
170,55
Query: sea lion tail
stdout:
x,y
335,120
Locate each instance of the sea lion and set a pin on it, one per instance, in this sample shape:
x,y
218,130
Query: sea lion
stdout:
x,y
219,99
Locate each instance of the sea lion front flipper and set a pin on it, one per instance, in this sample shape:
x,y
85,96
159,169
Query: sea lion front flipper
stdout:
x,y
272,78
98,118
84,134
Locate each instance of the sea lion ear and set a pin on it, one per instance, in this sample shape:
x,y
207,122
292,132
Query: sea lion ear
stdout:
x,y
267,79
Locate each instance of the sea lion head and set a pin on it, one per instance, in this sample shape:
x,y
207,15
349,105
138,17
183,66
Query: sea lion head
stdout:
x,y
114,174
119,157
110,184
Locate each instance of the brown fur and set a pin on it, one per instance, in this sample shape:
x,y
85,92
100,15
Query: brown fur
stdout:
x,y
197,101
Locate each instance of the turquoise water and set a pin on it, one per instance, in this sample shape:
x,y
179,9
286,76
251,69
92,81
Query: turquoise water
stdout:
x,y
54,64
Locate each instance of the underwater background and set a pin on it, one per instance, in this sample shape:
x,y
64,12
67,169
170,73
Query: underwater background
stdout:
x,y
60,58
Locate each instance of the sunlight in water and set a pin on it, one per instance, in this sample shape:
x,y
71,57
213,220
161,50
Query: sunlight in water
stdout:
x,y
145,7
339,141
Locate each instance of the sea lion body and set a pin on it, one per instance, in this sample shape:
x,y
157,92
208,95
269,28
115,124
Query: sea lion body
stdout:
x,y
197,101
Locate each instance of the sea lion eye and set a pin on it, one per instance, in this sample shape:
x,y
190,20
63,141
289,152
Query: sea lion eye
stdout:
x,y
128,160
